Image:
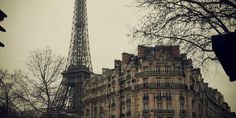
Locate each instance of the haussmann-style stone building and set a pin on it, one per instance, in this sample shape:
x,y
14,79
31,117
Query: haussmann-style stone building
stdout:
x,y
158,82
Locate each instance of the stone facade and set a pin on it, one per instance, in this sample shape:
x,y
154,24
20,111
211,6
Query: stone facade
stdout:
x,y
159,82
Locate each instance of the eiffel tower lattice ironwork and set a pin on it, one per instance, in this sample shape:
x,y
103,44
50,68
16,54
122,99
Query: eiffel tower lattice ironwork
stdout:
x,y
78,67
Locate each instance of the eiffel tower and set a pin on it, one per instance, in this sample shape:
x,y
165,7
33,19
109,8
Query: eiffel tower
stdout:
x,y
78,67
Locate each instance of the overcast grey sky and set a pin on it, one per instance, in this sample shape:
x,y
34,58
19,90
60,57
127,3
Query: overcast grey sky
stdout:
x,y
36,24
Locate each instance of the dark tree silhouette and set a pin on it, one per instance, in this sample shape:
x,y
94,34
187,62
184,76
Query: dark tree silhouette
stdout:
x,y
44,79
10,93
188,23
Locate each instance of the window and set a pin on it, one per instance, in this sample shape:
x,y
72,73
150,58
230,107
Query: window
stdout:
x,y
168,81
169,106
128,108
180,80
122,100
161,59
145,80
181,96
101,110
167,69
168,93
145,69
123,108
122,84
112,100
128,98
112,108
145,96
159,95
157,69
128,95
145,106
181,106
113,89
159,106
158,82
128,83
177,68
180,93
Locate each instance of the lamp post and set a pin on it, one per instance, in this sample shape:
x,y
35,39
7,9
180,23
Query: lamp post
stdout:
x,y
2,16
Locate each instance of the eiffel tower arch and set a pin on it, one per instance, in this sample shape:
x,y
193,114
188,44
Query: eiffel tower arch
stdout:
x,y
78,67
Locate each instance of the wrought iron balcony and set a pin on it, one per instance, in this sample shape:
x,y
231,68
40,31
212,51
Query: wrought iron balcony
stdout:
x,y
165,111
125,89
159,98
159,73
160,86
168,97
145,111
122,102
145,98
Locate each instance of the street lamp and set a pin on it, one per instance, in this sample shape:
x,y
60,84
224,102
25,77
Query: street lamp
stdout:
x,y
223,45
2,16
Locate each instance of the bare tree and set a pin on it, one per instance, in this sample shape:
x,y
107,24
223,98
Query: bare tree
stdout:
x,y
10,90
45,76
188,23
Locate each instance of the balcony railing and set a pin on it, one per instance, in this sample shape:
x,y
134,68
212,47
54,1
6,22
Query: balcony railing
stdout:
x,y
125,89
159,73
168,97
145,98
160,86
145,111
166,111
158,98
